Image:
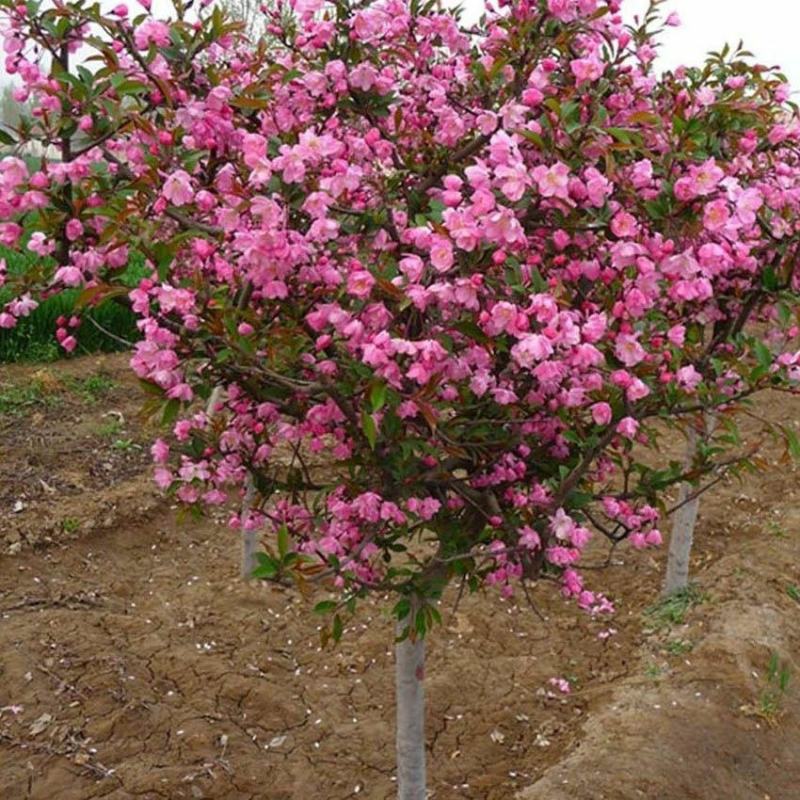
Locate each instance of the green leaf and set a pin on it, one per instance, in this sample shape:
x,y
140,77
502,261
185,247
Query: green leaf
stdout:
x,y
170,413
267,567
164,255
621,135
130,87
792,442
290,75
283,541
377,396
532,136
325,607
539,283
763,353
420,622
368,426
769,279
472,330
338,628
402,608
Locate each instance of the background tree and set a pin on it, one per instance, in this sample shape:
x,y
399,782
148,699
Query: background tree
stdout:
x,y
249,12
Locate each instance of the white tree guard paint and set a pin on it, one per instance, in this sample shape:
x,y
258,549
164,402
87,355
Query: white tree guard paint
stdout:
x,y
249,537
685,519
410,688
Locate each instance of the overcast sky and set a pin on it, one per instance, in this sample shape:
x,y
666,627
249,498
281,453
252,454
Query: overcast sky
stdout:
x,y
769,28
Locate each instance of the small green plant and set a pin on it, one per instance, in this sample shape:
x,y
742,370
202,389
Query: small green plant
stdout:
x,y
672,609
16,400
770,702
93,388
679,647
124,444
42,352
794,592
70,524
111,428
653,671
777,530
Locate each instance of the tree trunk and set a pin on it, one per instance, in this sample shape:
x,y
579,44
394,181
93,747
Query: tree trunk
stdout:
x,y
409,682
683,525
249,537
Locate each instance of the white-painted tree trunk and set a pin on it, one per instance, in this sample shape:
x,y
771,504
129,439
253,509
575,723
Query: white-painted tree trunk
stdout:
x,y
409,682
685,519
249,537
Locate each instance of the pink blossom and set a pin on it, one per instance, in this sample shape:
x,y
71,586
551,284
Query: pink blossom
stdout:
x,y
40,244
586,69
628,350
74,229
360,283
716,215
628,427
707,177
562,684
151,31
178,188
531,348
624,225
601,413
441,254
689,378
553,181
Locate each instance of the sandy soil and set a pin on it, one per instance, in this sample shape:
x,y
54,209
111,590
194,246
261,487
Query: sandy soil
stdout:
x,y
135,664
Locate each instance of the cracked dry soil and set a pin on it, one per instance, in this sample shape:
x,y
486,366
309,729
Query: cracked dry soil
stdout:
x,y
135,664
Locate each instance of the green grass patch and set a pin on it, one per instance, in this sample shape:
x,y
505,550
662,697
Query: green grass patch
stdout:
x,y
672,610
771,699
18,400
93,388
678,647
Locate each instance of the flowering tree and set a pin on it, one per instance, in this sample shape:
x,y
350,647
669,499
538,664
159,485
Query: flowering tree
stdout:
x,y
444,286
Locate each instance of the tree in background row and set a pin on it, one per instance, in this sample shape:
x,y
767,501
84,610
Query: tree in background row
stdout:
x,y
449,285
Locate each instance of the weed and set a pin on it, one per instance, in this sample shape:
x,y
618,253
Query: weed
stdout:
x,y
653,671
777,530
124,444
15,400
793,592
679,647
770,701
70,524
93,388
111,428
672,610
42,352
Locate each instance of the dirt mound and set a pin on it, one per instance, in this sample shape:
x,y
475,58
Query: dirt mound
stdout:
x,y
721,722
710,707
135,664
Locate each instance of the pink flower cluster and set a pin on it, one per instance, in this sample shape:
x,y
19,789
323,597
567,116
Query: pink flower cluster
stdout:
x,y
447,284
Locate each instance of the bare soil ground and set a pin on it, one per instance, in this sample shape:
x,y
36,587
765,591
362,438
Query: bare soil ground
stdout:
x,y
135,664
